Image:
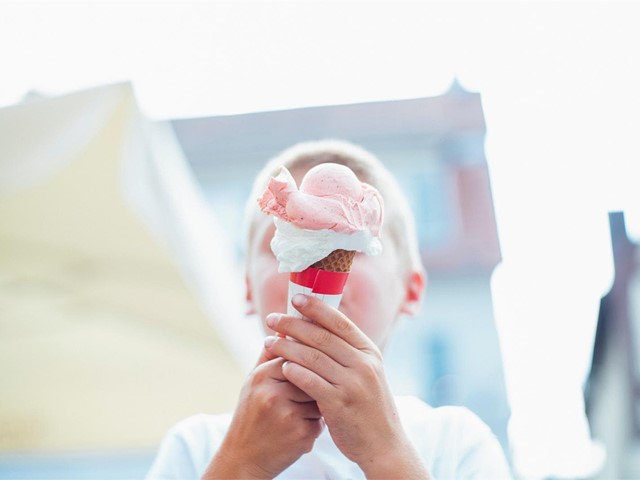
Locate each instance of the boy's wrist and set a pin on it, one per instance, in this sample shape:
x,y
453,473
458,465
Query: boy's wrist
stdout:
x,y
402,461
224,466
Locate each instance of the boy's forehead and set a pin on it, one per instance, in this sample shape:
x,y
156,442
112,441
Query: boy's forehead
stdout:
x,y
298,172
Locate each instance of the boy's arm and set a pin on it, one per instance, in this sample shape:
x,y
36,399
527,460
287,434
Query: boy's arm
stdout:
x,y
338,366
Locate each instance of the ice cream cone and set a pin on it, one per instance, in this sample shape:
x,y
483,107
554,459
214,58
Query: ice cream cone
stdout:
x,y
325,279
336,261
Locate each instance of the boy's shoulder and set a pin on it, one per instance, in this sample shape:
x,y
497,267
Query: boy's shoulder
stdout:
x,y
441,425
453,440
201,425
190,443
414,408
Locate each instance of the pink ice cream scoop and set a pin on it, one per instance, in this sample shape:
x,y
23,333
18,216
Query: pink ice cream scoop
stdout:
x,y
330,197
320,227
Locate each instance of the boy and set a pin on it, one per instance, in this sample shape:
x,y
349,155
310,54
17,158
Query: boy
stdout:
x,y
317,404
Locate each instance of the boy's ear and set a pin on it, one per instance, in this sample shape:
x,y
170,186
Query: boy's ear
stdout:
x,y
414,292
249,296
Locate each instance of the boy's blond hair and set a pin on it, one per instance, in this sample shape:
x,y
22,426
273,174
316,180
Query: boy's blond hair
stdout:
x,y
399,223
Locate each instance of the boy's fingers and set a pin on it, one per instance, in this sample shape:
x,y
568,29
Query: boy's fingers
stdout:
x,y
310,334
271,369
331,319
309,382
293,393
309,357
308,410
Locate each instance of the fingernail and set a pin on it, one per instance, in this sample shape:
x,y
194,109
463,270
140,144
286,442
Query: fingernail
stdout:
x,y
299,300
272,318
270,340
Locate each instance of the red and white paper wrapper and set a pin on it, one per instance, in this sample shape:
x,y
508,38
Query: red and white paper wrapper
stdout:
x,y
323,284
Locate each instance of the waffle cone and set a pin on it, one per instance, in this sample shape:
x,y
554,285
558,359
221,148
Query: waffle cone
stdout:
x,y
336,261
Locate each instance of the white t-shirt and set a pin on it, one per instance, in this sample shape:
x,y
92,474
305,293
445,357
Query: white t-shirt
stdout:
x,y
453,442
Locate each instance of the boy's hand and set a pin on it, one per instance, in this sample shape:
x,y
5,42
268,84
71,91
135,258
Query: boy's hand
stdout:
x,y
336,364
274,424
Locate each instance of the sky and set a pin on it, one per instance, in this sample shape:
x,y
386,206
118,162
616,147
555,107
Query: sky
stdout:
x,y
568,66
207,58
